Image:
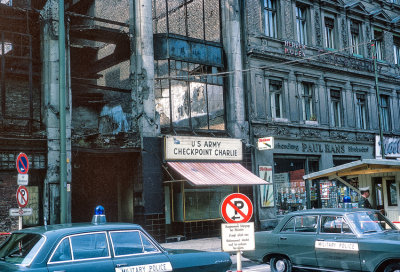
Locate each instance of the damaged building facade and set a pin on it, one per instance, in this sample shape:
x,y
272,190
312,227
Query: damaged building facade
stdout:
x,y
137,74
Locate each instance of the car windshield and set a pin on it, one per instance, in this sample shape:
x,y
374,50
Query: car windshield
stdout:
x,y
21,248
370,222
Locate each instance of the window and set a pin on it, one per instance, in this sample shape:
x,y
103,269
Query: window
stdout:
x,y
391,192
306,223
6,2
385,112
131,242
89,246
275,89
336,108
396,49
63,252
329,32
301,21
189,101
270,14
378,45
334,224
21,248
355,38
361,111
308,101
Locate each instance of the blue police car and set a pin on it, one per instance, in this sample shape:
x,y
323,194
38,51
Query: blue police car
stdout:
x,y
100,247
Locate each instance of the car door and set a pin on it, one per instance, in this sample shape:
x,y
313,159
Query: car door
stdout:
x,y
82,252
297,239
135,251
337,245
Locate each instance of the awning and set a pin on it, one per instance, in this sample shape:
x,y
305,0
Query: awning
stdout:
x,y
216,173
361,167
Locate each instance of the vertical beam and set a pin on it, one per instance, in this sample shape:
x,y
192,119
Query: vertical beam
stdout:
x,y
231,33
63,147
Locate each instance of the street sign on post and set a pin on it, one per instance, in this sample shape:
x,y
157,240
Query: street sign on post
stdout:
x,y
22,163
22,179
237,237
22,196
20,212
236,208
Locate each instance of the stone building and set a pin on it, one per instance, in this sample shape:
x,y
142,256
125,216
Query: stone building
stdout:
x,y
140,76
309,76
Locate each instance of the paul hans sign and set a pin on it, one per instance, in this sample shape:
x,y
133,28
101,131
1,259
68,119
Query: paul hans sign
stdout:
x,y
202,148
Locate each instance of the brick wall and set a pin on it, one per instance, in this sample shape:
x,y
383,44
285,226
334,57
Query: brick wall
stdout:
x,y
202,229
8,189
155,225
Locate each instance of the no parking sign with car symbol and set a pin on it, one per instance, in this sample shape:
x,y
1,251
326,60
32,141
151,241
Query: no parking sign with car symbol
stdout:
x,y
236,208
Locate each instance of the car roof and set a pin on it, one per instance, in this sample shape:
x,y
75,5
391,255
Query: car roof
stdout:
x,y
330,211
76,228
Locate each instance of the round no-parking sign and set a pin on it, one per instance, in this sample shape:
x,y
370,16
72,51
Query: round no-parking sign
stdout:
x,y
236,208
22,196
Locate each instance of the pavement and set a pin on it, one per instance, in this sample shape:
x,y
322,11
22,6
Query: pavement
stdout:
x,y
214,245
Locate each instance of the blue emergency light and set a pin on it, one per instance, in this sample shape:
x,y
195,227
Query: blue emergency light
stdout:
x,y
347,202
99,216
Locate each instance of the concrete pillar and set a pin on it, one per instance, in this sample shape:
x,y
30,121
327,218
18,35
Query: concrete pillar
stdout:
x,y
142,68
236,125
50,112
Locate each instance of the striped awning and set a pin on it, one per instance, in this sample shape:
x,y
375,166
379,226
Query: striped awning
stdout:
x,y
216,173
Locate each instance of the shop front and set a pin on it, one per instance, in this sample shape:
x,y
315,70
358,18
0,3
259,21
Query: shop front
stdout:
x,y
199,173
381,176
285,164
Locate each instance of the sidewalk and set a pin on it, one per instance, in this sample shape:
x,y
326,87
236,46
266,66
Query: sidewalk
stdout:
x,y
214,245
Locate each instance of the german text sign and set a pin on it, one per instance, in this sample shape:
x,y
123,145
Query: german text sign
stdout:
x,y
20,212
238,237
236,208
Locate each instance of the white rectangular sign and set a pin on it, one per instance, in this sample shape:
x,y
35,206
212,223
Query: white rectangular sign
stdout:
x,y
22,179
391,146
265,143
238,236
201,148
20,212
336,245
146,268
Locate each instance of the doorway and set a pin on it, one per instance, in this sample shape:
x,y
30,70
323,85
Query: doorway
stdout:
x,y
385,195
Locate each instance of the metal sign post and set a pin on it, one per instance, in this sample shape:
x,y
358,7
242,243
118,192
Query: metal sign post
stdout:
x,y
237,235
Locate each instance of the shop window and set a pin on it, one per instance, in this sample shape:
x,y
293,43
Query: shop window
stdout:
x,y
339,160
301,24
329,33
336,108
195,204
326,193
355,38
391,187
308,101
384,99
270,18
6,2
361,105
275,89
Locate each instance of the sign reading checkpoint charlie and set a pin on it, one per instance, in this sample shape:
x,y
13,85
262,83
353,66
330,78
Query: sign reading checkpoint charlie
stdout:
x,y
202,148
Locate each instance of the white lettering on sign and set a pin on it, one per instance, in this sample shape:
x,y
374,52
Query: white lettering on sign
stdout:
x,y
196,148
156,267
336,245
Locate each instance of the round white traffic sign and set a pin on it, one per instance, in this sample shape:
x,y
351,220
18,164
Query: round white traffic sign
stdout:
x,y
22,196
236,208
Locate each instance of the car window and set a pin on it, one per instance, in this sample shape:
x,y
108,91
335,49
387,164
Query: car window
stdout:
x,y
21,248
334,224
62,252
147,244
127,243
302,223
89,246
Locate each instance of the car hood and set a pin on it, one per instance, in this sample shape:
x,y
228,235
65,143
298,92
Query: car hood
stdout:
x,y
4,266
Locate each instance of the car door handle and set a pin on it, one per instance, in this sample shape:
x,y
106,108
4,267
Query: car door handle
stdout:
x,y
121,265
320,239
283,238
